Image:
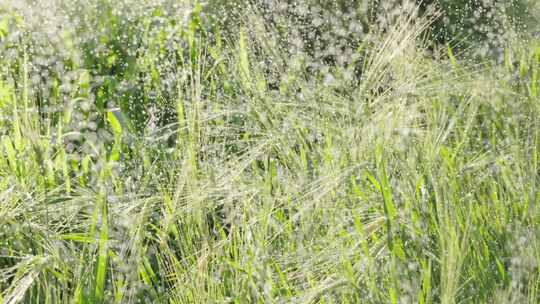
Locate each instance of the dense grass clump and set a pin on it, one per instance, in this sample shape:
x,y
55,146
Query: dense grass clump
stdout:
x,y
156,151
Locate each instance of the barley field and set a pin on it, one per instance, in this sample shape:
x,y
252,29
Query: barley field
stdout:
x,y
269,151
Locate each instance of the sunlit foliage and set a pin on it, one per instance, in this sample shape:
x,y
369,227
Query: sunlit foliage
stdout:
x,y
269,151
